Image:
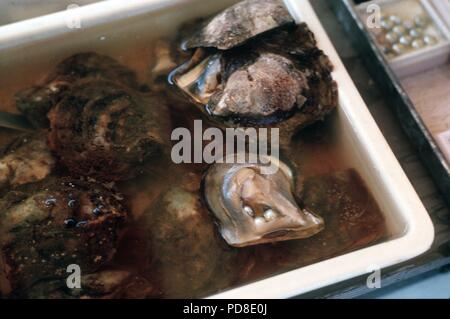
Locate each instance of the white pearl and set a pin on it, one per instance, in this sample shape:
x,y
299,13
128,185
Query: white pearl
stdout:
x,y
418,44
398,48
249,211
259,220
386,24
395,19
430,40
269,215
406,40
408,24
389,53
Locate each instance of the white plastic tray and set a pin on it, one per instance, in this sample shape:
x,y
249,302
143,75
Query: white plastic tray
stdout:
x,y
410,229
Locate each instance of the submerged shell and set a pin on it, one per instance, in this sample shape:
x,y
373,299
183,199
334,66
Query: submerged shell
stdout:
x,y
46,226
190,259
254,207
239,23
263,89
106,131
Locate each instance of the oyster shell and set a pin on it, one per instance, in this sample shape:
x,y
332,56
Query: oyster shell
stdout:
x,y
107,131
46,226
240,22
273,78
36,101
25,160
252,207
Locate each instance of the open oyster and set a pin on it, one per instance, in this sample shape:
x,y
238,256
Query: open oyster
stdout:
x,y
240,22
251,88
253,207
103,123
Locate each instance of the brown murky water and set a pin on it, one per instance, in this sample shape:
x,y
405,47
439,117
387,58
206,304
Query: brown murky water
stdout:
x,y
172,240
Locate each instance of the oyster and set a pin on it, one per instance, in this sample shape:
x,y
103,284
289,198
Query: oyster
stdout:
x,y
47,226
253,207
106,131
240,22
102,122
280,78
25,160
35,102
258,89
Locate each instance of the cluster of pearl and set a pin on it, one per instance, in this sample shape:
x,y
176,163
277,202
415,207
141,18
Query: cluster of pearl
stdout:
x,y
268,215
400,36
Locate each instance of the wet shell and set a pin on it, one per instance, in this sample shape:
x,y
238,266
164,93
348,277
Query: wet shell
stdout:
x,y
239,23
253,205
106,131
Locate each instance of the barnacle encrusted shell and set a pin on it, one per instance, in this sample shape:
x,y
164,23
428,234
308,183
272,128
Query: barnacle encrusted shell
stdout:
x,y
280,80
